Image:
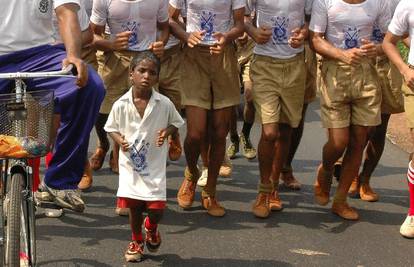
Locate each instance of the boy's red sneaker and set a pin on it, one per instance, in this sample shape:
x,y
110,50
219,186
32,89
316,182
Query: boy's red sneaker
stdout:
x,y
152,238
135,251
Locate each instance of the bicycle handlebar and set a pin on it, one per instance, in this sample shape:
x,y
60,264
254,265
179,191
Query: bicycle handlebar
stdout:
x,y
65,72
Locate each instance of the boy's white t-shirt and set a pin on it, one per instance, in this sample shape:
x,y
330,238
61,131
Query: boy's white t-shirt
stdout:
x,y
142,169
345,25
210,15
138,16
282,17
27,23
403,23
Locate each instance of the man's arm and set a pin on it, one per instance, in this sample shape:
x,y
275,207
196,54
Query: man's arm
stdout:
x,y
72,38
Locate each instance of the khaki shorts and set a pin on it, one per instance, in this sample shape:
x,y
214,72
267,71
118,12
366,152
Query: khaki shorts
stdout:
x,y
170,79
311,72
278,88
391,82
244,57
115,75
88,55
210,81
349,95
409,105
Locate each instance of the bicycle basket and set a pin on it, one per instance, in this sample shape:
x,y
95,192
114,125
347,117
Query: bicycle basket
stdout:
x,y
26,124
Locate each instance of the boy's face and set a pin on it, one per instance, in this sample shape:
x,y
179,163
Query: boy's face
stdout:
x,y
144,75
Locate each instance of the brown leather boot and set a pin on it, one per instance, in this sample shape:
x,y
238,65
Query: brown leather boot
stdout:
x,y
213,207
365,191
342,209
261,206
186,193
354,188
86,181
275,204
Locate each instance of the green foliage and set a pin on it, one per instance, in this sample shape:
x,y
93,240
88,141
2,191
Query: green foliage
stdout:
x,y
403,50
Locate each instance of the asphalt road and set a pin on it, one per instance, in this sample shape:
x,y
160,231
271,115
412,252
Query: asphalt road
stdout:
x,y
303,234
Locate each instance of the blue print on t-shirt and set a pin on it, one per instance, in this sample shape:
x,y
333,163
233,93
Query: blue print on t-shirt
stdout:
x,y
207,24
280,30
377,35
133,27
351,35
139,156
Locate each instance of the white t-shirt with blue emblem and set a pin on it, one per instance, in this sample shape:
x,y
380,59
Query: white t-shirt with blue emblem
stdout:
x,y
138,16
142,169
282,17
27,23
345,25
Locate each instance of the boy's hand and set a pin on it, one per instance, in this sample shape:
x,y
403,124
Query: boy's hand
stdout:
x,y
351,56
121,41
124,144
195,38
162,135
242,40
157,48
297,38
408,75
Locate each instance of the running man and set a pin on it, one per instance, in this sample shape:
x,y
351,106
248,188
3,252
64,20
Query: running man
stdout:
x,y
401,26
278,75
26,46
209,67
341,31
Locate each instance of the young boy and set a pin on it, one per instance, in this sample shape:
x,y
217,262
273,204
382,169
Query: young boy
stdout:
x,y
139,122
402,25
341,31
278,75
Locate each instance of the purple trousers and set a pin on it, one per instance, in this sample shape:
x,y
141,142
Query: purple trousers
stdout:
x,y
78,108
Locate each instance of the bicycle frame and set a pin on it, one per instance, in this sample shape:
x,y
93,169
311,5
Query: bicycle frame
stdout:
x,y
21,166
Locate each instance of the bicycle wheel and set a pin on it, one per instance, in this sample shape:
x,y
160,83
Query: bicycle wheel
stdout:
x,y
14,209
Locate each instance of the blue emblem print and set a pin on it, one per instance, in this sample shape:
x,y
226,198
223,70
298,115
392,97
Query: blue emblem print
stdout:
x,y
133,27
351,35
139,156
44,6
280,30
377,35
207,24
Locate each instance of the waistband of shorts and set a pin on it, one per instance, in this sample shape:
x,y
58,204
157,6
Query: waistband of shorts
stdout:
x,y
206,48
370,61
127,53
269,59
171,51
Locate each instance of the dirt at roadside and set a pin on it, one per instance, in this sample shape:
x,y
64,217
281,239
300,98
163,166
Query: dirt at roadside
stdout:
x,y
398,132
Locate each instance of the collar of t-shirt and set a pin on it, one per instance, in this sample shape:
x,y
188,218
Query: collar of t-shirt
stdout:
x,y
155,97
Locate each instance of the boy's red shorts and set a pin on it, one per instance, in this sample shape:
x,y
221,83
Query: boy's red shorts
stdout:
x,y
124,202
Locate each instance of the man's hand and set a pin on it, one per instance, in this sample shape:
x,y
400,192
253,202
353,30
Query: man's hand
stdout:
x,y
157,48
262,34
242,40
351,56
368,48
121,41
408,75
81,68
162,135
218,48
297,38
124,144
195,38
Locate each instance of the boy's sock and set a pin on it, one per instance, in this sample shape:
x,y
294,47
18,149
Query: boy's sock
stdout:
x,y
137,237
410,178
150,226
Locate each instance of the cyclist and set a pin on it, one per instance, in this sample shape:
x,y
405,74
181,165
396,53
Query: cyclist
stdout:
x,y
26,46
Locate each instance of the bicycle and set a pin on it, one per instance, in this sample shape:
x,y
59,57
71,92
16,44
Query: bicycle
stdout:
x,y
25,133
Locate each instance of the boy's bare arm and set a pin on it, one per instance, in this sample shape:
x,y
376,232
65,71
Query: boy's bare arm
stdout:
x,y
120,140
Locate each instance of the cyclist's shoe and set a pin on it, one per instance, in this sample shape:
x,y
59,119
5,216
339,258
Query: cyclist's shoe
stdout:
x,y
152,238
135,251
249,152
69,198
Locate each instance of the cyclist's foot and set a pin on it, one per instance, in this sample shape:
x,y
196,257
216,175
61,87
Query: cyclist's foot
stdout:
x,y
249,152
135,251
233,149
98,158
69,198
86,180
